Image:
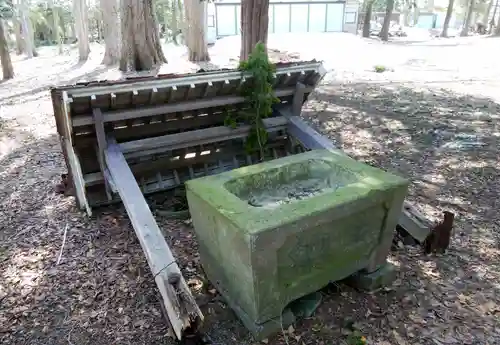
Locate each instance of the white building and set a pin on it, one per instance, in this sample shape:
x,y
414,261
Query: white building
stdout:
x,y
286,16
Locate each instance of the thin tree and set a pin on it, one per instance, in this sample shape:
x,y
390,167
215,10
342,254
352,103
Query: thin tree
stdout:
x,y
497,29
141,48
111,31
468,19
492,21
254,25
368,17
196,40
447,18
384,32
174,21
82,28
27,29
17,33
7,68
55,26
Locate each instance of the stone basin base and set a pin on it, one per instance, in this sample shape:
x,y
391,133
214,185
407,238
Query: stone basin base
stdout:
x,y
274,232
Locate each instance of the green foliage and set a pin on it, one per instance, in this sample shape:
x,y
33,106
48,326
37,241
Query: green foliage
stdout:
x,y
380,68
355,338
257,89
6,9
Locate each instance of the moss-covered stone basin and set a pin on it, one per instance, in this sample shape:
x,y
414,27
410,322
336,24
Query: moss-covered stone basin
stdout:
x,y
273,232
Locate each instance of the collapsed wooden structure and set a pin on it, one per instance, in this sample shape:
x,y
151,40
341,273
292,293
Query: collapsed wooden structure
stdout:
x,y
123,139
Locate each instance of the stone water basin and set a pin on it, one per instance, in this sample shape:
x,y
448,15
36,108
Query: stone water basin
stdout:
x,y
273,232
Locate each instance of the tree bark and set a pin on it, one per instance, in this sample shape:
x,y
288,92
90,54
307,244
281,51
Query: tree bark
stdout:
x,y
404,18
29,46
111,31
7,69
497,29
486,14
17,32
141,48
465,28
254,25
81,28
384,32
492,22
368,18
55,26
196,39
447,19
174,21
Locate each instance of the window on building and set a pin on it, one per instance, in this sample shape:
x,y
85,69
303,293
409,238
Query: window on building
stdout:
x,y
350,18
211,21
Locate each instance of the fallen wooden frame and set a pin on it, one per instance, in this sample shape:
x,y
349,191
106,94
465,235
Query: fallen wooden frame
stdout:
x,y
122,140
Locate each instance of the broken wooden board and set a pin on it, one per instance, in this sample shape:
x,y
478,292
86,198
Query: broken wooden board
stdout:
x,y
181,307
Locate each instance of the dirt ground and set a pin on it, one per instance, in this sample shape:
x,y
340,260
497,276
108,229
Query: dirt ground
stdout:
x,y
428,118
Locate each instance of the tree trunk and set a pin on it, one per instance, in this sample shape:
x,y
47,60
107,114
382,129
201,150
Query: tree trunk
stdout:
x,y
497,29
196,39
174,21
7,69
111,31
368,17
29,46
404,19
492,22
55,26
447,19
465,28
416,13
141,48
19,37
82,28
384,32
486,14
254,25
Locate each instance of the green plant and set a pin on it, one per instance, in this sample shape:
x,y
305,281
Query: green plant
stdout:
x,y
355,338
257,89
380,68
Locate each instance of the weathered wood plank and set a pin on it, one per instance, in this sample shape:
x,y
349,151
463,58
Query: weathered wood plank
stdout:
x,y
77,176
120,115
101,146
150,130
414,223
194,138
168,163
196,79
301,131
182,312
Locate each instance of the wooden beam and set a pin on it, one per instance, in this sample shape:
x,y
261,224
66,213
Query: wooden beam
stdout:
x,y
200,78
120,115
167,163
101,146
170,142
298,99
182,310
305,134
77,176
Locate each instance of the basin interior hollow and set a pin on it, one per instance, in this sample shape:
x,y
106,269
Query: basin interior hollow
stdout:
x,y
290,183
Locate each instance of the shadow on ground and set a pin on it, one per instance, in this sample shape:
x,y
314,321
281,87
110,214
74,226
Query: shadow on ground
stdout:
x,y
102,291
19,97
